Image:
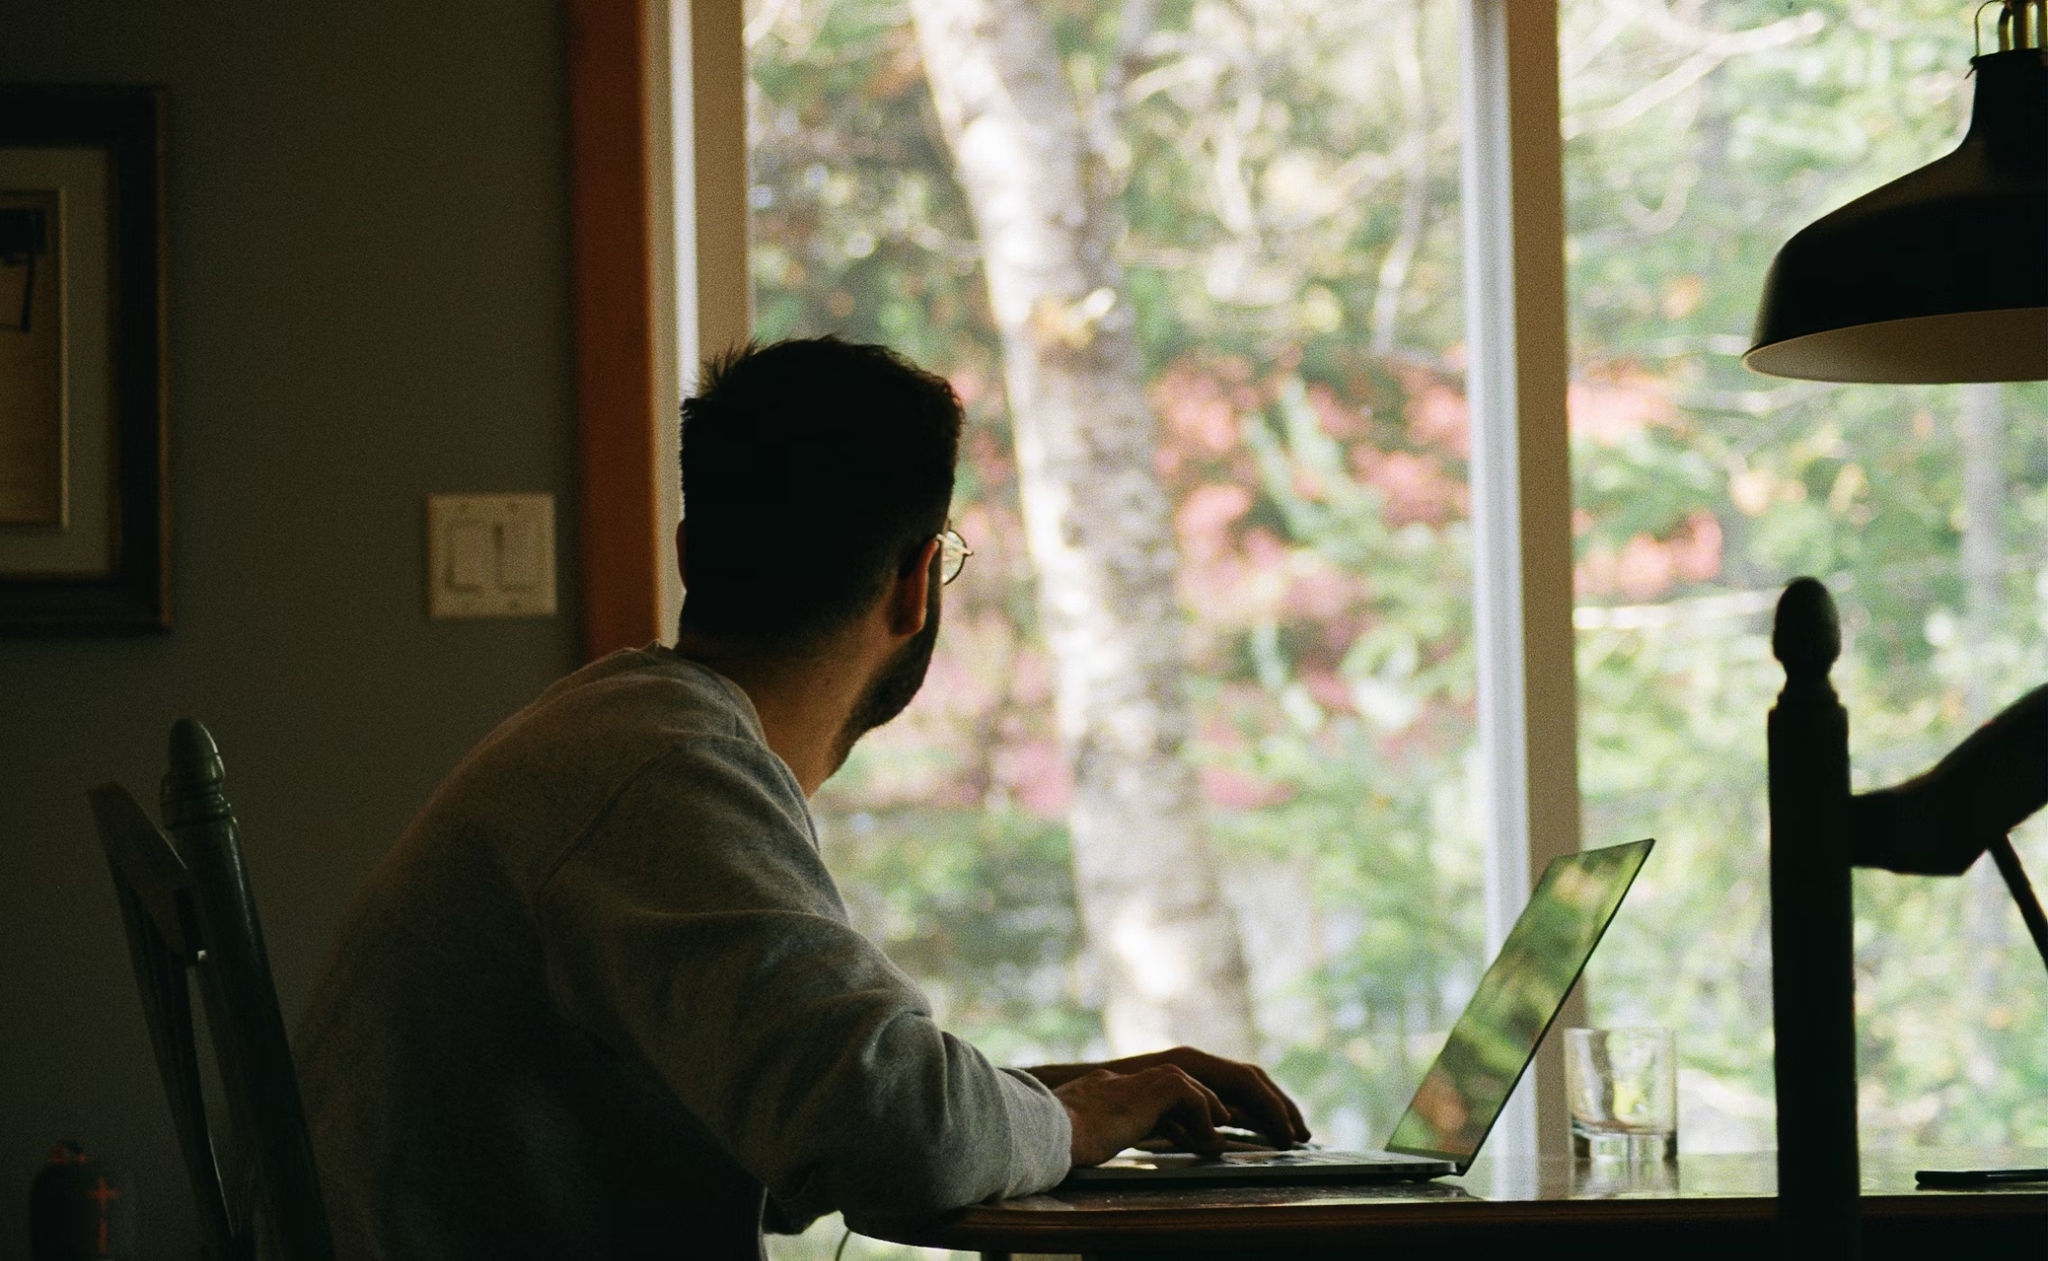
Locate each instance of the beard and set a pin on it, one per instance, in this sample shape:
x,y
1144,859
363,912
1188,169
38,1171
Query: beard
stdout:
x,y
895,684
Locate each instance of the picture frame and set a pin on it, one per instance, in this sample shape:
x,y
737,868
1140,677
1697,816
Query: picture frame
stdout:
x,y
84,479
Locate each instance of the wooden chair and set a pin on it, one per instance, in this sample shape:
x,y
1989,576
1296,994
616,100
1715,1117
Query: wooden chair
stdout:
x,y
186,903
1935,824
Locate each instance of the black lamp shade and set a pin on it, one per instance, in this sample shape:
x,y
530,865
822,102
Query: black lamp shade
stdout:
x,y
1939,276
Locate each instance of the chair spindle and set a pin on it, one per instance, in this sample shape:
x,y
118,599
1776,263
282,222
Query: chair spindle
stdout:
x,y
1813,983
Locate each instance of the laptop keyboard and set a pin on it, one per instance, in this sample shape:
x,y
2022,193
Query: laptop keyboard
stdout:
x,y
1314,1156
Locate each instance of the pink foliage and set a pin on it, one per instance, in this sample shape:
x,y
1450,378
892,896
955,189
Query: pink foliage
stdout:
x,y
1205,519
970,384
982,731
1413,487
1608,410
1031,678
1217,731
1264,549
1647,567
1196,408
1235,790
989,457
1698,550
1037,777
1438,416
1218,593
1316,594
1328,690
1334,417
1236,586
950,687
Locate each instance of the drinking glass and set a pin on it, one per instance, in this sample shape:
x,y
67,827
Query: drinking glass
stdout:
x,y
1623,1086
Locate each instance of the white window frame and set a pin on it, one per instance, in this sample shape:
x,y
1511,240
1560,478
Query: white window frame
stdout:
x,y
1518,368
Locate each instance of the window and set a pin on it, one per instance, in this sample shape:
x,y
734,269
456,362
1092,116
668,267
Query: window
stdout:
x,y
1266,230
1699,136
1276,336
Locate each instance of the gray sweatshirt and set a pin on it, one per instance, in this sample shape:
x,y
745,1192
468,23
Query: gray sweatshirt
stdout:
x,y
604,991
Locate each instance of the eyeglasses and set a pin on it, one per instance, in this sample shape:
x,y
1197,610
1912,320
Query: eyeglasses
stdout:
x,y
953,554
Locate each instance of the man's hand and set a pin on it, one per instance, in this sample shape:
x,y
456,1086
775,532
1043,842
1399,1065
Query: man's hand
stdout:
x,y
1109,1111
1180,1095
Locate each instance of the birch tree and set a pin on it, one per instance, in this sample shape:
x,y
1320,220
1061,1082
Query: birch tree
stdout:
x,y
1098,522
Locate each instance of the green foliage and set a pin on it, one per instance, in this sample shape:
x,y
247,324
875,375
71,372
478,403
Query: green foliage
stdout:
x,y
1326,568
1675,211
1288,171
980,905
1381,825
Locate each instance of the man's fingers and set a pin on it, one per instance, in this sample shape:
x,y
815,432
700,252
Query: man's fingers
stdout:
x,y
1213,1109
1297,1125
1262,1106
1270,1108
1257,1102
1172,1087
1189,1111
1181,1096
1186,1137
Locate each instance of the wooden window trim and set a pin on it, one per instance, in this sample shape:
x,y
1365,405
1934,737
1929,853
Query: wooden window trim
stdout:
x,y
632,189
611,231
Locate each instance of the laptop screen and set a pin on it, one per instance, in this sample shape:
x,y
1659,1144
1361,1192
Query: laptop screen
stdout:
x,y
1519,996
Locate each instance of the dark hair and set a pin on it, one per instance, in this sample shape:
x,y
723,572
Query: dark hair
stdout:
x,y
814,470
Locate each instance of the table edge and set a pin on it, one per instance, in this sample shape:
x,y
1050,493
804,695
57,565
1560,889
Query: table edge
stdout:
x,y
991,1228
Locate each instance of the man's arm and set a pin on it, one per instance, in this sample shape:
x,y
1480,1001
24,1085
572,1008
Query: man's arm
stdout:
x,y
693,930
1936,824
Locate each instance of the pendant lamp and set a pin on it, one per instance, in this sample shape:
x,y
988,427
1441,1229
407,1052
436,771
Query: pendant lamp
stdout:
x,y
1941,275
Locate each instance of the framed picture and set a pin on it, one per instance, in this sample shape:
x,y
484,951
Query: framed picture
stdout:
x,y
84,499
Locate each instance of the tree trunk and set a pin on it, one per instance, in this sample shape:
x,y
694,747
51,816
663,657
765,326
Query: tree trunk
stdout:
x,y
1098,522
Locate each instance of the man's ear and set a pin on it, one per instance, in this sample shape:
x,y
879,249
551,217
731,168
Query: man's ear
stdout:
x,y
910,595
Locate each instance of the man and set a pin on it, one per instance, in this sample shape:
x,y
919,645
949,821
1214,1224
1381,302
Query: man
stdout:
x,y
604,991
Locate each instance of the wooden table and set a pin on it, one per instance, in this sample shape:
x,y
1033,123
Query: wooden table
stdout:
x,y
1705,1206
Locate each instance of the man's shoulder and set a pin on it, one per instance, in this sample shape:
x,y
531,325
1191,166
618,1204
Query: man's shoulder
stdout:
x,y
640,694
675,784
554,769
613,720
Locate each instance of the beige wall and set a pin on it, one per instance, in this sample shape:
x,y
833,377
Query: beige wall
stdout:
x,y
369,301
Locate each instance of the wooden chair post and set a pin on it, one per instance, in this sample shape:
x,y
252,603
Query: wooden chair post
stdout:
x,y
154,890
261,1086
1812,977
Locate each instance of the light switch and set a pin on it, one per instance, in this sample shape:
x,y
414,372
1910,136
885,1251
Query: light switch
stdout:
x,y
472,555
490,555
519,549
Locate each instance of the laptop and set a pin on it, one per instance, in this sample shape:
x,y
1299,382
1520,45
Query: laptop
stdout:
x,y
1469,1083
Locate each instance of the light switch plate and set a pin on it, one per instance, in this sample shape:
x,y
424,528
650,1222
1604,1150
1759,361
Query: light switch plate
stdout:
x,y
490,555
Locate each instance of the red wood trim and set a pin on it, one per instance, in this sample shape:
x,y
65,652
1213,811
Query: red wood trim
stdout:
x,y
612,244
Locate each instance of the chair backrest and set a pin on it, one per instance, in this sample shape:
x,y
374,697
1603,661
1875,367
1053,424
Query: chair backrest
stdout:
x,y
1819,831
1812,958
186,903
